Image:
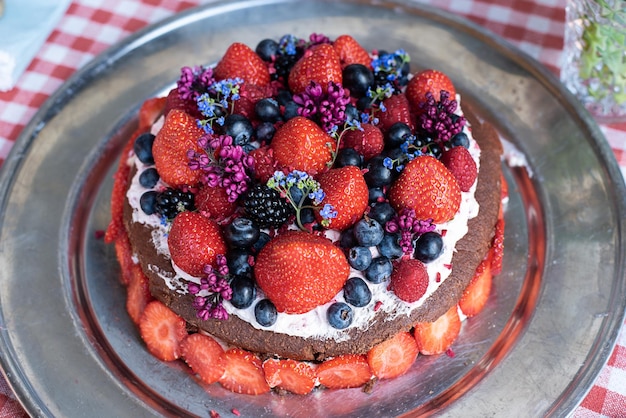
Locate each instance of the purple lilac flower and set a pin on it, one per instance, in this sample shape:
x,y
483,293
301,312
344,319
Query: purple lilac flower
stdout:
x,y
409,227
216,284
193,82
328,108
438,117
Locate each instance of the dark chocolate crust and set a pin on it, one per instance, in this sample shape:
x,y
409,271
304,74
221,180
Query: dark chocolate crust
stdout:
x,y
471,249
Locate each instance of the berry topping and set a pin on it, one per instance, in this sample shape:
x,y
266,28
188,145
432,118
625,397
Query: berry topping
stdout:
x,y
463,167
427,187
241,61
302,145
409,280
342,372
351,52
358,79
267,110
348,156
497,247
356,292
339,315
390,246
243,373
319,64
171,202
290,375
382,212
396,109
205,356
347,192
367,141
428,247
298,271
397,134
239,128
267,49
460,140
137,293
162,331
244,292
213,202
143,148
359,258
147,202
239,262
149,178
266,207
393,357
368,232
265,313
436,337
377,174
242,232
379,270
428,81
476,294
195,241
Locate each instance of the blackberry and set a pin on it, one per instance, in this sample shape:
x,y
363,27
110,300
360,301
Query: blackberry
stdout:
x,y
265,206
171,202
283,65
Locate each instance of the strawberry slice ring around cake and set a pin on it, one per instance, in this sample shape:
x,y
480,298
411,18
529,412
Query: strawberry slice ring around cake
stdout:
x,y
307,214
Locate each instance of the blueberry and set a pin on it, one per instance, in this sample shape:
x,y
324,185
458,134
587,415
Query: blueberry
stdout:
x,y
368,232
264,238
244,292
242,232
390,246
352,113
265,132
376,194
433,149
265,313
382,212
143,148
356,292
239,128
357,78
397,135
428,247
460,140
238,262
291,110
348,156
307,216
363,103
379,270
296,194
339,315
147,201
347,239
359,258
377,174
283,97
266,49
267,110
149,178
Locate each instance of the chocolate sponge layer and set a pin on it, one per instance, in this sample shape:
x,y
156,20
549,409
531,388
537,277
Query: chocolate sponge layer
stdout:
x,y
470,250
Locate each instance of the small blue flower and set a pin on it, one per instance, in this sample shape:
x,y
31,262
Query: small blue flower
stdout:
x,y
328,212
382,107
388,162
317,196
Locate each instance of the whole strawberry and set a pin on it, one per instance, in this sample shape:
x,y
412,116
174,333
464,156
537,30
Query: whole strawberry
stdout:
x,y
241,61
397,109
320,64
298,271
429,188
178,135
351,52
427,81
195,241
346,190
409,280
462,166
300,144
368,142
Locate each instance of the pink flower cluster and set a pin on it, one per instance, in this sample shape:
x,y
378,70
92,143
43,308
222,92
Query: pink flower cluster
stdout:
x,y
216,283
408,226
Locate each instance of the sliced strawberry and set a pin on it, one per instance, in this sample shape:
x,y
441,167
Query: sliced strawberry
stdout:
x,y
124,255
205,356
162,331
241,61
290,375
426,81
351,52
409,280
150,111
300,144
320,64
265,164
195,241
213,202
137,293
497,246
243,373
436,337
396,110
504,188
347,191
178,135
393,357
429,188
343,372
476,294
368,142
462,166
298,271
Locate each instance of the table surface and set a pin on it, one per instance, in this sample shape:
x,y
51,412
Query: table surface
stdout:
x,y
90,26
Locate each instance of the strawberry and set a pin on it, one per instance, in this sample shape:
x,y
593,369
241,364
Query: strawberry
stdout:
x,y
264,163
504,188
347,191
243,373
213,202
497,246
409,280
249,94
205,356
137,293
241,61
320,64
429,188
436,337
343,372
476,294
195,241
432,81
351,52
393,357
290,375
462,166
300,144
162,331
124,255
150,111
368,142
178,135
298,271
396,110
174,101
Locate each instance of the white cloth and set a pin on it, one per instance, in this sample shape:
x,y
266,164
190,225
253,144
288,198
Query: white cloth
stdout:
x,y
24,27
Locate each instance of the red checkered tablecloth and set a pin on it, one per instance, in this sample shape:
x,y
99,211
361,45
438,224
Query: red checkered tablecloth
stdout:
x,y
90,26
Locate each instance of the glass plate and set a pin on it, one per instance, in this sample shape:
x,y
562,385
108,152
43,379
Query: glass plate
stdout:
x,y
69,348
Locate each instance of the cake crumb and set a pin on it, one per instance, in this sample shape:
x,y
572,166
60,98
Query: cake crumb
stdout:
x,y
450,353
214,414
378,305
438,279
235,412
369,386
99,234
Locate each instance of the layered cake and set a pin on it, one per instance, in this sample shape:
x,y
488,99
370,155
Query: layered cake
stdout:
x,y
307,214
